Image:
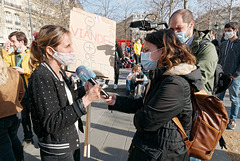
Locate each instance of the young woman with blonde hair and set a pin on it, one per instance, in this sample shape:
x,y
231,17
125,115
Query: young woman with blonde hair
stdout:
x,y
56,107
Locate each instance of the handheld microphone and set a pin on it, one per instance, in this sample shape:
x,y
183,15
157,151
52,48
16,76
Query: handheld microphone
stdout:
x,y
85,74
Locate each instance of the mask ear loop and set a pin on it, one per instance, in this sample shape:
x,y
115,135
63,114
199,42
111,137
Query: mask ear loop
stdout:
x,y
49,56
53,50
155,51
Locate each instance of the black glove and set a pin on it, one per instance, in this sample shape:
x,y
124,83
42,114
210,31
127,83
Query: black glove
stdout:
x,y
222,143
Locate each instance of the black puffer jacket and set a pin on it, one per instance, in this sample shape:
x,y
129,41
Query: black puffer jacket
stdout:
x,y
168,96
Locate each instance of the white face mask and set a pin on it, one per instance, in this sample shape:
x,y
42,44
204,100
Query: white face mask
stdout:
x,y
229,35
139,41
63,58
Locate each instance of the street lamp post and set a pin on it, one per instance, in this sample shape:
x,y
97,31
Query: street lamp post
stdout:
x,y
216,26
30,18
137,36
131,31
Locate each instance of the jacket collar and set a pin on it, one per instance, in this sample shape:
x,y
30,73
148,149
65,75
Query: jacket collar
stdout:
x,y
27,51
181,69
64,76
198,37
190,72
46,65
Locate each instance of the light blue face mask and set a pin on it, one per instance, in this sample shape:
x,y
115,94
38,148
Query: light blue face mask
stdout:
x,y
182,36
19,50
147,63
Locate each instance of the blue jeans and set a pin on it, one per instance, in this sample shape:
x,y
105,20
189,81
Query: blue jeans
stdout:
x,y
130,86
194,159
233,93
10,147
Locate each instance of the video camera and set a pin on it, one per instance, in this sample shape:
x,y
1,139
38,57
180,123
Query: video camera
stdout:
x,y
147,25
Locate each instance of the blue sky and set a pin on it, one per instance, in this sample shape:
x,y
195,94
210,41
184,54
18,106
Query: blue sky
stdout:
x,y
192,2
193,6
89,8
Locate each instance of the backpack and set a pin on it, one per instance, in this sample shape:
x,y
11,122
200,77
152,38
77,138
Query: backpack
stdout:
x,y
138,91
209,121
221,81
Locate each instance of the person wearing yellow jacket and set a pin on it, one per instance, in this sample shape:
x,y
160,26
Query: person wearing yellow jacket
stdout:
x,y
7,49
137,51
19,61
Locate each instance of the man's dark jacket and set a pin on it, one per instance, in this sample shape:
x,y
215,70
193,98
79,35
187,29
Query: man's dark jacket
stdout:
x,y
229,57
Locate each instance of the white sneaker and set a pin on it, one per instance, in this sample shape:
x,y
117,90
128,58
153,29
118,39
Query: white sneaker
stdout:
x,y
231,125
115,86
104,86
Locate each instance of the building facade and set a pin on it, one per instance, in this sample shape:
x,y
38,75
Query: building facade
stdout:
x,y
12,18
15,15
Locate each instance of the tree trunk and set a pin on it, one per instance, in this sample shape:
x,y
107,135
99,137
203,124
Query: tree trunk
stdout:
x,y
230,10
170,8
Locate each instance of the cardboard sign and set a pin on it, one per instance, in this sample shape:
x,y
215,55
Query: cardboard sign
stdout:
x,y
93,42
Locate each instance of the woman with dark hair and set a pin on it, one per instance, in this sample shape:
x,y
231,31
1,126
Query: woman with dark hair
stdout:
x,y
56,108
167,95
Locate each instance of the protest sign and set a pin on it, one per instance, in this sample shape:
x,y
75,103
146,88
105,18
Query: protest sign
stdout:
x,y
93,42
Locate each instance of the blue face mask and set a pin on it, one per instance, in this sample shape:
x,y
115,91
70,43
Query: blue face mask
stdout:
x,y
182,36
147,63
19,50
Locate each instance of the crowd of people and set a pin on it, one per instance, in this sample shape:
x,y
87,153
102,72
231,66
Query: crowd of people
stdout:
x,y
33,82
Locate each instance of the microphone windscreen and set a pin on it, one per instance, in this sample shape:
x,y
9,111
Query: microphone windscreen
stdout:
x,y
85,73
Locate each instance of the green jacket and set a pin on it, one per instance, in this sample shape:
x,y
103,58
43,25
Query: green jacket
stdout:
x,y
206,56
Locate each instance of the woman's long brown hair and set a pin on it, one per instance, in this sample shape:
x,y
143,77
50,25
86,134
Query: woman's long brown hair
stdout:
x,y
175,51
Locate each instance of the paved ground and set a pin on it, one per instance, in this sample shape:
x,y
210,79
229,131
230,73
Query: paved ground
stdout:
x,y
111,133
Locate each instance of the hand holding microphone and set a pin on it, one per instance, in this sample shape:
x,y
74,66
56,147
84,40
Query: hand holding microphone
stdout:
x,y
92,95
87,86
111,100
86,74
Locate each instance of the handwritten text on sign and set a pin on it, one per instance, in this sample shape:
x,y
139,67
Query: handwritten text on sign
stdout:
x,y
93,42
